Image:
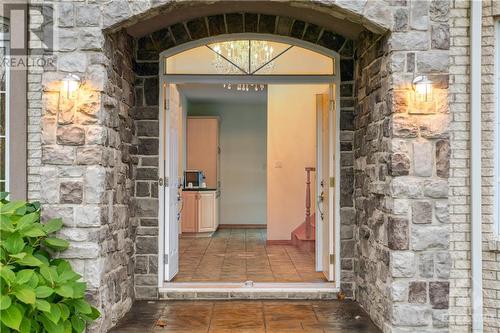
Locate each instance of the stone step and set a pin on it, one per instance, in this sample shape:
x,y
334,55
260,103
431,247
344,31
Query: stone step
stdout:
x,y
199,291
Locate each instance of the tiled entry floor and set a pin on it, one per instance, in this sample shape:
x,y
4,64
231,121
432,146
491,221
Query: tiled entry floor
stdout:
x,y
238,255
246,317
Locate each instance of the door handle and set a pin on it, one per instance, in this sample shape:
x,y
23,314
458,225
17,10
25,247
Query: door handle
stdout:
x,y
160,181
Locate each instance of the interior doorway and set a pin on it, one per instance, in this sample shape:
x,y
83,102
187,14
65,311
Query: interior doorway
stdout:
x,y
248,243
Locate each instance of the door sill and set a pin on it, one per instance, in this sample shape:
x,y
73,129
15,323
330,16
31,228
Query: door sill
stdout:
x,y
257,290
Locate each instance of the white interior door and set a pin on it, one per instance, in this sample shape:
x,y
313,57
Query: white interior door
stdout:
x,y
326,122
169,178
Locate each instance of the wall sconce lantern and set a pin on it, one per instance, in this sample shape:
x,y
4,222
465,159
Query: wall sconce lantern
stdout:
x,y
423,88
71,83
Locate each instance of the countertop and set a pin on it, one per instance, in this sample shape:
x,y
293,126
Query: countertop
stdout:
x,y
199,189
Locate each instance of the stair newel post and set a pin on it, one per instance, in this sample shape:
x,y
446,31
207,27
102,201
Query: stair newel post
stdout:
x,y
308,202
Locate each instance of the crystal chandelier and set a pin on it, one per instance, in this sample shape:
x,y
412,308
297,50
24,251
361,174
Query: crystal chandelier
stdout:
x,y
243,57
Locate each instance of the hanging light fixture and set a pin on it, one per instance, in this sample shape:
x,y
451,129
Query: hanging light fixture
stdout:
x,y
423,88
71,83
243,57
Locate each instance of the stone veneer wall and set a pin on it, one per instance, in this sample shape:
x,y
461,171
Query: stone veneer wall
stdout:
x,y
146,66
86,173
401,171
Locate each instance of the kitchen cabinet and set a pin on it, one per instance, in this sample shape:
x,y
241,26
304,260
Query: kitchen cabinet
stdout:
x,y
202,148
199,211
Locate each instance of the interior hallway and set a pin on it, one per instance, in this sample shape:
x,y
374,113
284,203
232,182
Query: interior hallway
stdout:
x,y
238,255
246,317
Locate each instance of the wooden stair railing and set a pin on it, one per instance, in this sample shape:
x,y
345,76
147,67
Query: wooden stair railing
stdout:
x,y
308,202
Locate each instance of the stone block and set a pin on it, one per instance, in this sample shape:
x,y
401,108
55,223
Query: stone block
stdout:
x,y
443,265
147,207
399,291
419,13
145,293
55,154
436,188
49,185
430,237
404,126
141,265
146,245
439,294
81,250
417,292
400,19
440,318
442,212
88,15
91,39
70,135
71,192
114,12
439,10
421,212
72,62
402,264
410,315
400,206
407,187
434,126
66,15
88,216
95,184
398,233
422,158
433,61
443,153
400,164
440,36
426,265
90,155
409,41
96,135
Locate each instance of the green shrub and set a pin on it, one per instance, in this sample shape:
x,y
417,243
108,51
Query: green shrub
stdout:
x,y
39,293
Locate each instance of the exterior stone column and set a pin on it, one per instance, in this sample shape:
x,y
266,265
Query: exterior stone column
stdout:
x,y
86,165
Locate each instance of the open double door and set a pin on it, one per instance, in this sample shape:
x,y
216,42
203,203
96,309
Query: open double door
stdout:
x,y
327,216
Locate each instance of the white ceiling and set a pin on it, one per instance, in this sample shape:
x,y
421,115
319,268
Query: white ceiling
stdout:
x,y
204,92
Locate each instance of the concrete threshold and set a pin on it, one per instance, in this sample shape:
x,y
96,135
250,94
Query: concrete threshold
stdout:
x,y
247,290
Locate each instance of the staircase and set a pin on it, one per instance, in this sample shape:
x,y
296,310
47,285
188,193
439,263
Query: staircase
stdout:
x,y
304,235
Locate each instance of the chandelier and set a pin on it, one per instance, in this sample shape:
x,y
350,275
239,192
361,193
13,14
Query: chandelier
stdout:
x,y
243,57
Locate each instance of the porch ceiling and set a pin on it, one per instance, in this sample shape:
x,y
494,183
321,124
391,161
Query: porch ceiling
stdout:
x,y
335,22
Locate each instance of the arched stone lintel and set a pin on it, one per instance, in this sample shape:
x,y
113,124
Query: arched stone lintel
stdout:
x,y
345,17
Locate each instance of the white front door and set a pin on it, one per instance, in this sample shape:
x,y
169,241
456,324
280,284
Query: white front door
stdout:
x,y
169,177
326,210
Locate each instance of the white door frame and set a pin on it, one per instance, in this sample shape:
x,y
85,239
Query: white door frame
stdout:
x,y
264,79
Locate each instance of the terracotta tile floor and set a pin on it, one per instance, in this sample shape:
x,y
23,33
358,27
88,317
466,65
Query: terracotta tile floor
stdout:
x,y
246,317
237,255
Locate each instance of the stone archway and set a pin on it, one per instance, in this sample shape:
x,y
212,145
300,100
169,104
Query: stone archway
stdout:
x,y
395,236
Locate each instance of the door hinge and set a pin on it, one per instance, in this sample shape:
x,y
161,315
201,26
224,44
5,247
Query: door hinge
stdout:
x,y
165,259
166,182
332,259
332,181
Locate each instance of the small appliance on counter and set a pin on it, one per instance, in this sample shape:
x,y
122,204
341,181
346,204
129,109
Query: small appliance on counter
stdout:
x,y
194,179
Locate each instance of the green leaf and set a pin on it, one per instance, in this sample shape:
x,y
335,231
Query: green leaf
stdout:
x,y
49,274
53,225
56,243
67,276
82,306
6,224
27,220
7,274
11,317
24,276
43,291
78,324
5,302
25,295
30,260
79,289
55,313
19,255
33,282
11,207
14,243
64,311
50,326
25,326
42,305
64,291
34,231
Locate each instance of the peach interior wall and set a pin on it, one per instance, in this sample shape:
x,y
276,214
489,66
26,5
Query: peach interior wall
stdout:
x,y
291,146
